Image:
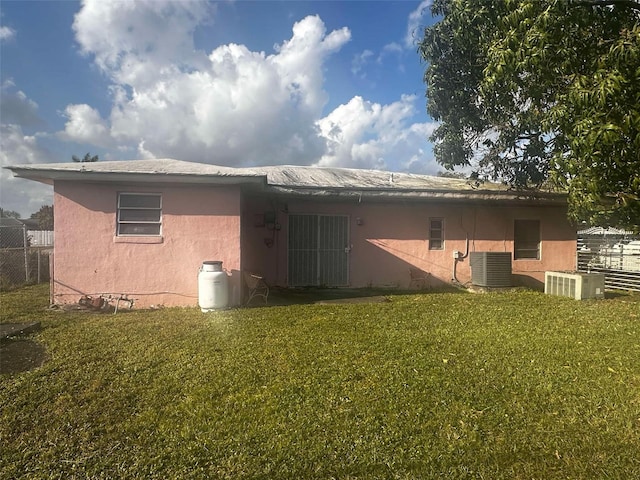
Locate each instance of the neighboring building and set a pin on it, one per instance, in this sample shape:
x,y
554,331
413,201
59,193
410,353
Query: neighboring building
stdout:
x,y
143,228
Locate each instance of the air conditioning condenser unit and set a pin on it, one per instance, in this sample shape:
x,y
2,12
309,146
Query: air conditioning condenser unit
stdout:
x,y
580,286
490,269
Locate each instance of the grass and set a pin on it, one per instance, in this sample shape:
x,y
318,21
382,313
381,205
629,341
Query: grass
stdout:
x,y
513,385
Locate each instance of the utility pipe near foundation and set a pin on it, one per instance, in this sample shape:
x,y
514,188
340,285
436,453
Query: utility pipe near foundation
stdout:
x,y
457,257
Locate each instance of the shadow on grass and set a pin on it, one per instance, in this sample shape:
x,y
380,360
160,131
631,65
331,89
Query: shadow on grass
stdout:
x,y
616,294
316,295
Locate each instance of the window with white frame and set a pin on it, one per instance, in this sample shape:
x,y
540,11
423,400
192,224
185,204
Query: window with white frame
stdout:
x,y
526,239
436,234
139,214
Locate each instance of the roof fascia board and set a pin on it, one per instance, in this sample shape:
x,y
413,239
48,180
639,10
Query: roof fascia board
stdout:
x,y
50,176
536,198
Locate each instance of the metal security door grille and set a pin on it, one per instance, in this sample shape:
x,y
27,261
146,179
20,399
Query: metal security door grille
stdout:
x,y
318,250
333,250
303,250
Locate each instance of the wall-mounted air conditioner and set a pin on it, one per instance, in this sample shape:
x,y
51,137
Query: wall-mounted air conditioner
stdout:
x,y
574,285
490,269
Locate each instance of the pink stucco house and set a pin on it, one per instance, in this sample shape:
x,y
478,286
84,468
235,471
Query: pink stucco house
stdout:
x,y
144,227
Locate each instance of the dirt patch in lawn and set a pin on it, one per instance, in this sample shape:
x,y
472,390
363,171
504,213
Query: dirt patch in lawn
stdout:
x,y
19,355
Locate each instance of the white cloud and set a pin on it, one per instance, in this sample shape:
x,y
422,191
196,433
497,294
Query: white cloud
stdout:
x,y
414,24
362,134
233,106
137,42
349,132
392,48
397,50
359,62
16,148
85,125
23,196
6,33
144,153
299,60
16,108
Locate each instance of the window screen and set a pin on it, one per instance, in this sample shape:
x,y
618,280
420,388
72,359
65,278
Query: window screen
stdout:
x,y
436,234
139,214
526,239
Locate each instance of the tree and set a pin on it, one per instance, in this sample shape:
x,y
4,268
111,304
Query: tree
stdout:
x,y
541,92
44,217
85,159
8,213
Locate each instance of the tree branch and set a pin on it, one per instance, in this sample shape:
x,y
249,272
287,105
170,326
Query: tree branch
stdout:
x,y
633,4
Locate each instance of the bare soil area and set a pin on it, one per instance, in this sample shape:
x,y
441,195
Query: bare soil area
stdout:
x,y
19,355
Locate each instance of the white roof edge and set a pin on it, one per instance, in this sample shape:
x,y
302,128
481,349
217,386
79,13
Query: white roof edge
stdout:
x,y
289,179
139,171
445,195
51,176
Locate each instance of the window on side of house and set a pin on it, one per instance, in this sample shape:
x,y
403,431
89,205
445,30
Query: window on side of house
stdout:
x,y
436,234
139,214
526,240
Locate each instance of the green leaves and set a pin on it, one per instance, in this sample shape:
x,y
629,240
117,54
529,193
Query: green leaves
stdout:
x,y
541,92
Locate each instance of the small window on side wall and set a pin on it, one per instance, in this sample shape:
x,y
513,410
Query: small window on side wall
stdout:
x,y
526,240
139,214
436,234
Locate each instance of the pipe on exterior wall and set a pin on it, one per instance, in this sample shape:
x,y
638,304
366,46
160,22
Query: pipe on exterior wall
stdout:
x,y
458,258
466,249
453,271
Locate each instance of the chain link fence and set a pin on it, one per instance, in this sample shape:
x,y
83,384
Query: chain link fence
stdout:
x,y
24,257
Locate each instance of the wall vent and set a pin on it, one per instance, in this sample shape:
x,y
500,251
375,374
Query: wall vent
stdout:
x,y
574,285
490,269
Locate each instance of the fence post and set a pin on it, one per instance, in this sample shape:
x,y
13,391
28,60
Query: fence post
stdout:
x,y
26,255
51,280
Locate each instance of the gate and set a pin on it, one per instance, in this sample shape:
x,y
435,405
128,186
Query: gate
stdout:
x,y
318,250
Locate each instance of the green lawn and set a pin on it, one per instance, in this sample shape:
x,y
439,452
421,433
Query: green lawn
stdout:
x,y
514,385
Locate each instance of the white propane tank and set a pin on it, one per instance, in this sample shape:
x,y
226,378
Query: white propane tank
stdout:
x,y
213,289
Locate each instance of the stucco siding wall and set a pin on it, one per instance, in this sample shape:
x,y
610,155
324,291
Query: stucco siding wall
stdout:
x,y
198,224
389,239
264,248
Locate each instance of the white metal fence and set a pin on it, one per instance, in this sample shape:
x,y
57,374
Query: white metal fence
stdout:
x,y
40,238
618,257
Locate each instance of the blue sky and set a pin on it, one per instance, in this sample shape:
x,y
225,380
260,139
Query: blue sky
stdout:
x,y
230,83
